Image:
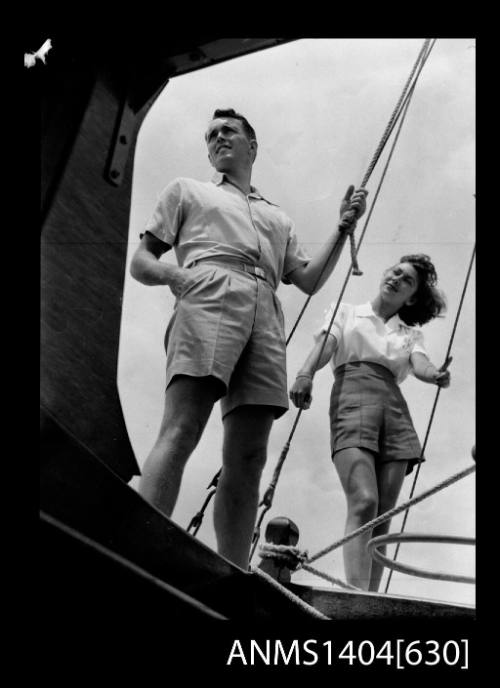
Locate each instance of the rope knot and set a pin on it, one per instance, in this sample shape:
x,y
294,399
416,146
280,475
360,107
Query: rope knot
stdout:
x,y
286,555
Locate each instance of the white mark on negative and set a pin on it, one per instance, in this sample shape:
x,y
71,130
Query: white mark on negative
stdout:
x,y
31,58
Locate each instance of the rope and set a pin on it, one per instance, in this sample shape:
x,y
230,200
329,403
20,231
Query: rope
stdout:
x,y
197,519
269,494
330,579
392,512
421,59
285,555
401,105
413,570
400,115
295,559
436,398
293,598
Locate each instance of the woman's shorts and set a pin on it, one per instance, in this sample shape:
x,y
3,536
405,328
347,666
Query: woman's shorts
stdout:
x,y
367,410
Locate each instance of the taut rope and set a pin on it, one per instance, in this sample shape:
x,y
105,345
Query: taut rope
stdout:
x,y
402,105
392,512
295,559
313,613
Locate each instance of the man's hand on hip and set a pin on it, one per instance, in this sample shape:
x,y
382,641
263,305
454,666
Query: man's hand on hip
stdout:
x,y
180,281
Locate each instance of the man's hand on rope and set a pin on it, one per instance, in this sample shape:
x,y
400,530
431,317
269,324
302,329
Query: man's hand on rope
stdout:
x,y
301,390
352,207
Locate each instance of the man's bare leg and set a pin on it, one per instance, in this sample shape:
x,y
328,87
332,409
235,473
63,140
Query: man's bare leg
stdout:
x,y
188,404
246,434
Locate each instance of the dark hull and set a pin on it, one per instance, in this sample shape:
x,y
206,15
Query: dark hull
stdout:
x,y
100,536
344,605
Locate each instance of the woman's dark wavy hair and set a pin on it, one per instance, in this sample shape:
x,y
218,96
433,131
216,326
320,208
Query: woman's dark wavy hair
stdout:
x,y
430,301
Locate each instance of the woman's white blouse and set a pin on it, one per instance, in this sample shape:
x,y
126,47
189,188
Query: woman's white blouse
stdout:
x,y
362,336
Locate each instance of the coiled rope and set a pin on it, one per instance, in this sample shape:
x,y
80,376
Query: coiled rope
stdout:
x,y
390,538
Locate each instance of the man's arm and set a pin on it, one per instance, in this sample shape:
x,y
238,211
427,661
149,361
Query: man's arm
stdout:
x,y
147,268
306,277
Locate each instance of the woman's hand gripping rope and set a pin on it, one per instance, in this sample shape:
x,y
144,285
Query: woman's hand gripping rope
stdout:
x,y
442,377
300,392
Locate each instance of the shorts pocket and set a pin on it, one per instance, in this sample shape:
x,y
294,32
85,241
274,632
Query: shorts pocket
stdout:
x,y
201,274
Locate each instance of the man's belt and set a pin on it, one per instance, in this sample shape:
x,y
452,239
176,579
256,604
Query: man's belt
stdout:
x,y
233,263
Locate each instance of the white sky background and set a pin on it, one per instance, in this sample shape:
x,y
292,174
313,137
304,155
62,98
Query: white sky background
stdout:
x,y
319,108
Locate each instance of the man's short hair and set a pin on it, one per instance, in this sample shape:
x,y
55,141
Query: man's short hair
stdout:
x,y
229,112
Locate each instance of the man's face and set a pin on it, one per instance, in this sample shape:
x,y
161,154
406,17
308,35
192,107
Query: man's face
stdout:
x,y
228,146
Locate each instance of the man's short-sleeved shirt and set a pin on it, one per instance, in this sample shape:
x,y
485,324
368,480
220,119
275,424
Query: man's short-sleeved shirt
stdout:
x,y
216,219
363,336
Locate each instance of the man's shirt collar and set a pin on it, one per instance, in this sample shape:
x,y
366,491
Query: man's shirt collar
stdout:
x,y
220,177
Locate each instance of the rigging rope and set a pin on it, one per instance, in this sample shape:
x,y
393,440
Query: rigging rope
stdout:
x,y
431,418
268,495
295,559
197,519
402,105
314,613
330,579
422,57
392,512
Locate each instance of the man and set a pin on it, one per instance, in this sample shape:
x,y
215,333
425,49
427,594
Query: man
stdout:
x,y
226,337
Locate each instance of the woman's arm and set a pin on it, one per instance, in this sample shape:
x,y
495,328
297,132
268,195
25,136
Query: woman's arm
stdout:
x,y
426,371
300,393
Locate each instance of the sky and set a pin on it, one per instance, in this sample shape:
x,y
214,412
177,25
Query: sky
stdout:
x,y
319,108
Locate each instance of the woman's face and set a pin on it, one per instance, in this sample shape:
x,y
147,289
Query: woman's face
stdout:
x,y
399,284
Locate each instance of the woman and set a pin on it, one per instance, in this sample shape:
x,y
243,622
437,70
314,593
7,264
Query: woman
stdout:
x,y
372,348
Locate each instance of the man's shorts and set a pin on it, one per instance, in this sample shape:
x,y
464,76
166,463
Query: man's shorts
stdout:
x,y
367,410
229,324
